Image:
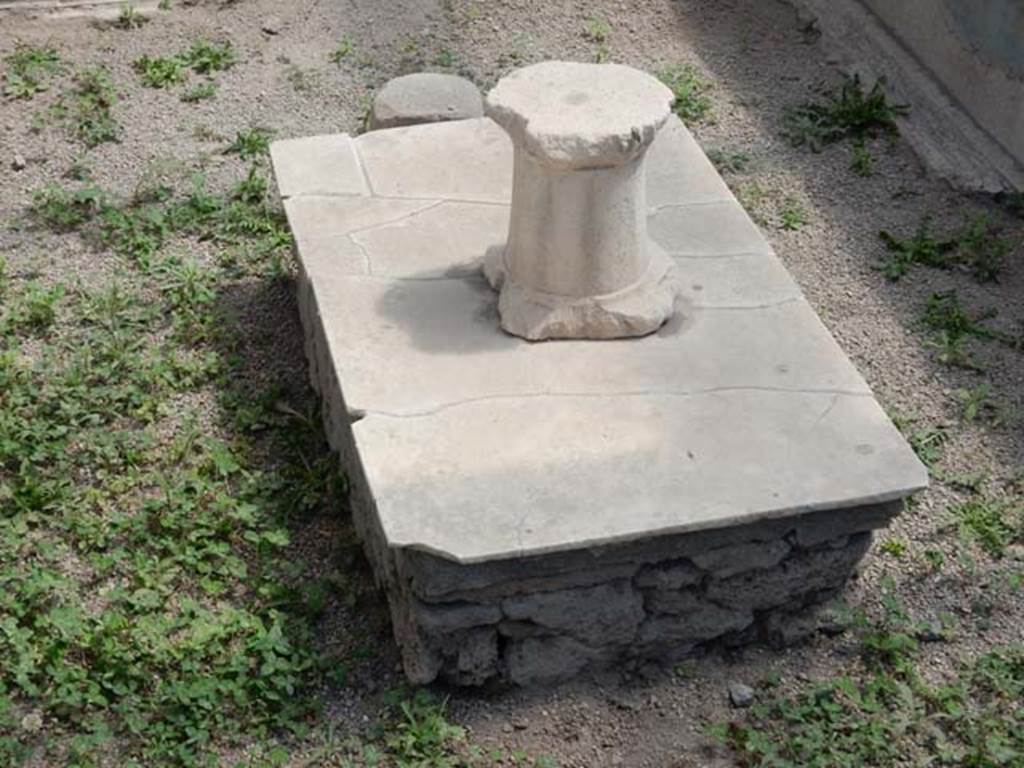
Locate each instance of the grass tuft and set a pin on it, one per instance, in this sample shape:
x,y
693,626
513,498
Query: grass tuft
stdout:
x,y
975,248
889,715
251,143
161,72
205,57
130,18
690,89
87,107
29,69
851,113
954,327
341,52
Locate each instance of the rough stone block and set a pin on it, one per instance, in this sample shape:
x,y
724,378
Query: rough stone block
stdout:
x,y
433,578
803,573
728,561
676,601
609,612
439,619
668,576
830,526
476,658
543,660
703,621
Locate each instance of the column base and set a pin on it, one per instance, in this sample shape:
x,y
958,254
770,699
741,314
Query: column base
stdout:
x,y
637,310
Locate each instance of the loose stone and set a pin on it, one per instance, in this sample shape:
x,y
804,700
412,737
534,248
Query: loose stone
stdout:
x,y
740,695
425,97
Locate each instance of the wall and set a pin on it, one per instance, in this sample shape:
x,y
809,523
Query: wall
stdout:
x,y
975,49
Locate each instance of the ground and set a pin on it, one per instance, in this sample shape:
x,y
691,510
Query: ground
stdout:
x,y
181,585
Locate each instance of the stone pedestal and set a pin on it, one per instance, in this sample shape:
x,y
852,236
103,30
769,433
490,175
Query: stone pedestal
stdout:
x,y
579,263
536,510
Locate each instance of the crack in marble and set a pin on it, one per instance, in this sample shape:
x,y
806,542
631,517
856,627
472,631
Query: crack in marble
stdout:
x,y
741,307
837,393
687,256
656,209
397,220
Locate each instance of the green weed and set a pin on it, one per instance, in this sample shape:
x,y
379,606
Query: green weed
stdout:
x,y
302,80
927,442
894,547
251,143
161,72
728,161
921,248
890,715
63,210
690,89
199,92
445,59
597,30
953,327
982,250
80,169
130,18
935,559
29,69
975,402
792,215
849,114
205,57
34,311
993,525
753,197
975,247
341,52
87,107
422,736
862,163
146,602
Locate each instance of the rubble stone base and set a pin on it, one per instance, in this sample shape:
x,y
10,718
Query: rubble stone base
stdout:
x,y
544,619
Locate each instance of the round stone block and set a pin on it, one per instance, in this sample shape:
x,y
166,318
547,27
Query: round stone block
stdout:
x,y
425,97
578,263
573,116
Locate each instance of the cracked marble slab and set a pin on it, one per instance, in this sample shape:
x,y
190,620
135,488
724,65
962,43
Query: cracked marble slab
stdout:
x,y
497,478
478,445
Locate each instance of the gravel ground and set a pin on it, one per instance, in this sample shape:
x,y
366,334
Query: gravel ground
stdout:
x,y
759,60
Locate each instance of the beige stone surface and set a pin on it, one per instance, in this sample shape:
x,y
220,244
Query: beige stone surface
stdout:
x,y
317,165
413,346
478,445
500,477
459,168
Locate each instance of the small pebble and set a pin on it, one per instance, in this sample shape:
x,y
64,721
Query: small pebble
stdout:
x,y
271,25
18,162
741,695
